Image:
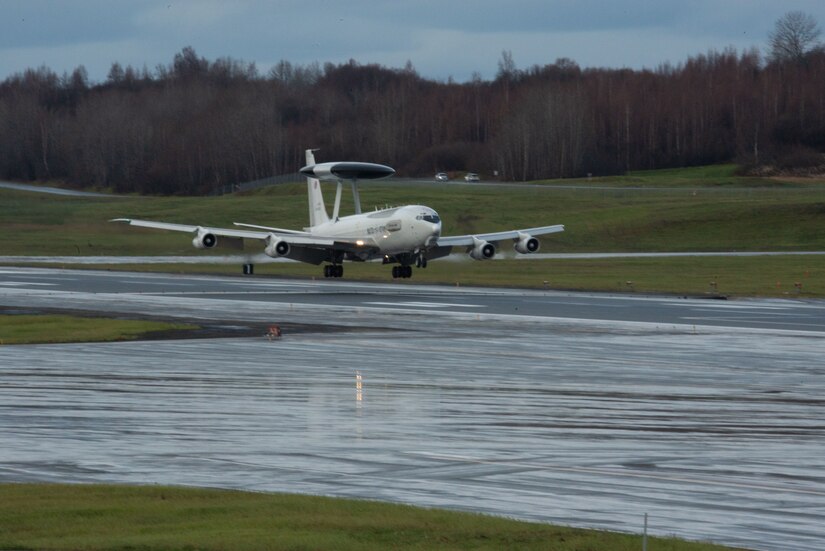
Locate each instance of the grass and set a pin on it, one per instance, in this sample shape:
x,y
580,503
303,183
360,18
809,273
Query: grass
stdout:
x,y
39,516
34,329
695,209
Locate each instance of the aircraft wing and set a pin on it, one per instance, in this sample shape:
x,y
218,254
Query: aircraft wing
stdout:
x,y
302,246
297,239
274,230
470,240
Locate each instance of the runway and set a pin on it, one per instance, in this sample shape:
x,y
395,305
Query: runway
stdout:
x,y
384,304
581,409
261,258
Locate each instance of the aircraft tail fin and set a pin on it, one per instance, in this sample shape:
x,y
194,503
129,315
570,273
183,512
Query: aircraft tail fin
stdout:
x,y
317,208
310,156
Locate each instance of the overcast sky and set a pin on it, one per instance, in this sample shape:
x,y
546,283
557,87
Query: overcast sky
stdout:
x,y
442,38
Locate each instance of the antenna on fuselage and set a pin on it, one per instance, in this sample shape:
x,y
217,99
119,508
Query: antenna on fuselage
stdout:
x,y
356,197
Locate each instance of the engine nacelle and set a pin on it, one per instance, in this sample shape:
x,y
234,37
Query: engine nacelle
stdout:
x,y
204,240
482,250
275,246
526,244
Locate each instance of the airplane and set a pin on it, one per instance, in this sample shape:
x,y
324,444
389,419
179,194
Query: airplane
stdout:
x,y
402,236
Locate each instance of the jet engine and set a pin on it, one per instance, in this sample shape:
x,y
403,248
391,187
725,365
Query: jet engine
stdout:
x,y
204,240
526,244
275,246
482,250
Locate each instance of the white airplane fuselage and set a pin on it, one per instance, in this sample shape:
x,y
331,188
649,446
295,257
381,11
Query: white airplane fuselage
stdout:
x,y
404,229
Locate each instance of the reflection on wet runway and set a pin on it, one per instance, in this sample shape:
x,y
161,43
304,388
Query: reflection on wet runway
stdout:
x,y
716,434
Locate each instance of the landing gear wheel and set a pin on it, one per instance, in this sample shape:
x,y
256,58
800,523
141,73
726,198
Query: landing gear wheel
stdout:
x,y
333,270
401,271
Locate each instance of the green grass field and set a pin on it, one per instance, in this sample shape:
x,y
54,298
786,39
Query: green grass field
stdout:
x,y
696,209
36,329
92,517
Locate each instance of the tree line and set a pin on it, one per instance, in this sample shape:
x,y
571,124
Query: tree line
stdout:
x,y
196,125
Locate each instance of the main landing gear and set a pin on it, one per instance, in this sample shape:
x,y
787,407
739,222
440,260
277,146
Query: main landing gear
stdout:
x,y
401,271
405,261
333,270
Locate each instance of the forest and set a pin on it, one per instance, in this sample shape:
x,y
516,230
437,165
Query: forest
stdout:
x,y
196,125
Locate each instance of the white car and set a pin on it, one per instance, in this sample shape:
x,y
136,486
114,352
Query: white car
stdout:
x,y
441,177
471,177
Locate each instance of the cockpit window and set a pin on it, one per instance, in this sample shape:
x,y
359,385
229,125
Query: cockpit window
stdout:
x,y
433,218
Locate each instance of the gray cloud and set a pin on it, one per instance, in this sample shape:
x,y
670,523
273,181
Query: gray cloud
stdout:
x,y
441,39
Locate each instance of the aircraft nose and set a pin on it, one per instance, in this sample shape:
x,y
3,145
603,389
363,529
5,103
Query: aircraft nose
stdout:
x,y
435,233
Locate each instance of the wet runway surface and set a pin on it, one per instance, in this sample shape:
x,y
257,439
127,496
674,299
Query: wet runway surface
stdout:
x,y
589,414
207,296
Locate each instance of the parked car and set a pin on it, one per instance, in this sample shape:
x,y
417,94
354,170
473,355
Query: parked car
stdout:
x,y
471,177
441,177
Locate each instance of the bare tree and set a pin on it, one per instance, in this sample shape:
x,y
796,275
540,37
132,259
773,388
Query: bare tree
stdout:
x,y
115,74
507,73
506,66
794,35
156,132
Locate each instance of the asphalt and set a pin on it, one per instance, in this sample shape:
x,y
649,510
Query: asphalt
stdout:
x,y
395,301
261,258
582,409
